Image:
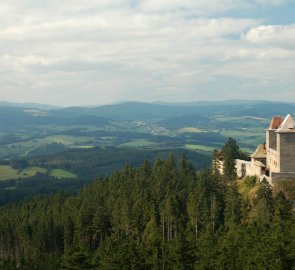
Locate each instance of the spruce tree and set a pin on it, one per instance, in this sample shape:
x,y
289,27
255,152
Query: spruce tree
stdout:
x,y
230,153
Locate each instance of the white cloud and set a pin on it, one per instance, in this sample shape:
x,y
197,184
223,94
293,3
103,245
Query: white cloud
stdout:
x,y
272,35
127,49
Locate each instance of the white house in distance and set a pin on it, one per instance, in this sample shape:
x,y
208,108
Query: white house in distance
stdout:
x,y
274,160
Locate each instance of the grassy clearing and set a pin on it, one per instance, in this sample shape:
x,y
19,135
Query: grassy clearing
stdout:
x,y
138,143
109,138
84,146
200,147
82,127
7,172
31,171
69,140
190,130
58,173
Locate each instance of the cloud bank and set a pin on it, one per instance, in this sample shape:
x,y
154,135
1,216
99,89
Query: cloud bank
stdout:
x,y
95,52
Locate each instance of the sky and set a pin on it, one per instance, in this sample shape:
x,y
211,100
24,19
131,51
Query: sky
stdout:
x,y
92,52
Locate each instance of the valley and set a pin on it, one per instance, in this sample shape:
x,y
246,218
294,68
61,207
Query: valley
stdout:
x,y
41,146
150,126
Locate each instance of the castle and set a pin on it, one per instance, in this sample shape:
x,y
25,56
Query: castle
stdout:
x,y
274,160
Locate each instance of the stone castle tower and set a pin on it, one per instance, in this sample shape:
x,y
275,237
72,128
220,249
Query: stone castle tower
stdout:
x,y
280,148
274,160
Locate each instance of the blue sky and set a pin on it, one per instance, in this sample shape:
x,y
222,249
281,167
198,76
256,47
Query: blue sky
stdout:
x,y
78,52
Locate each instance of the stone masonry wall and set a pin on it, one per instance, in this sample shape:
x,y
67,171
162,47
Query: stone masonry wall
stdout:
x,y
244,168
287,152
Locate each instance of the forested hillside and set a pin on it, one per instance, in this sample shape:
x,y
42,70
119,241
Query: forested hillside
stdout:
x,y
159,216
72,169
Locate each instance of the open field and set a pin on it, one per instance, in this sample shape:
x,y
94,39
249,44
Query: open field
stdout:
x,y
190,130
200,147
139,143
7,172
31,171
59,173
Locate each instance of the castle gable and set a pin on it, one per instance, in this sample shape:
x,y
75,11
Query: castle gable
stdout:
x,y
288,125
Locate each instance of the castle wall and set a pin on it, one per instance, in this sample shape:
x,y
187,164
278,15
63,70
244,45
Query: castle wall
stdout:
x,y
255,170
273,160
247,168
242,167
287,152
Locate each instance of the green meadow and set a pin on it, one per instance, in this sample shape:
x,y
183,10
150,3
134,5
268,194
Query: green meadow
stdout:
x,y
139,143
59,173
7,173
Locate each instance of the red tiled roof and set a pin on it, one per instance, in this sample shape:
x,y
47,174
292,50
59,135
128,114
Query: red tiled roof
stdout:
x,y
275,123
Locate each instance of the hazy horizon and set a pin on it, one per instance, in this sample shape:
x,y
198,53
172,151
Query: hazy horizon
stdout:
x,y
77,53
203,102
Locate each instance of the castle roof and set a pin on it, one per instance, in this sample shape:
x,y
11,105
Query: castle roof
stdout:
x,y
287,126
275,123
260,152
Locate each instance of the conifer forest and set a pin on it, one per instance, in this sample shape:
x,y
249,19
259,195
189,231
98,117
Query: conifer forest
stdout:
x,y
164,215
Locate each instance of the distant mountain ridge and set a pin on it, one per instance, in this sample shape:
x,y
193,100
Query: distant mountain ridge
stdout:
x,y
39,106
140,111
157,111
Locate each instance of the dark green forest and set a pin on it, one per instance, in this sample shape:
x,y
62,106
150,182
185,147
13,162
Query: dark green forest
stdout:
x,y
86,164
164,215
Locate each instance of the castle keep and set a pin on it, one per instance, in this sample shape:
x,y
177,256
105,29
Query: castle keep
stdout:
x,y
274,160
